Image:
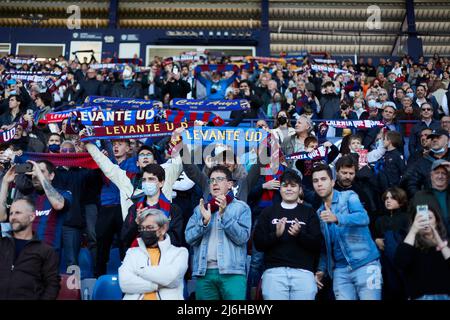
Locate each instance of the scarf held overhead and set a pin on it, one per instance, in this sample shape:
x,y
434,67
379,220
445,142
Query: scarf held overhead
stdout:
x,y
209,105
246,138
317,154
83,160
359,124
132,132
120,103
114,117
180,116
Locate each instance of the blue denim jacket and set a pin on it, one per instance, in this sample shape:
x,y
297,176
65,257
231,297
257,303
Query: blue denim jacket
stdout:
x,y
352,233
233,232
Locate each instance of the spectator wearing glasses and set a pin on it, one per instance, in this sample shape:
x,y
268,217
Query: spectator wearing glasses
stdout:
x,y
421,98
426,121
218,232
154,270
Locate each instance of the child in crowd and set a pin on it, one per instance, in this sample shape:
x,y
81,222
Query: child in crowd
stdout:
x,y
390,230
306,166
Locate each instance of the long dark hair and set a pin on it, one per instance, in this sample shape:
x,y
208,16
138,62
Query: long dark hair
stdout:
x,y
421,242
276,124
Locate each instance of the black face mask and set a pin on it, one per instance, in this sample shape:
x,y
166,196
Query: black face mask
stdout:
x,y
282,120
149,237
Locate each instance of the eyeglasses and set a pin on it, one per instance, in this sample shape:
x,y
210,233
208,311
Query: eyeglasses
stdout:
x,y
426,109
147,228
146,156
383,94
218,180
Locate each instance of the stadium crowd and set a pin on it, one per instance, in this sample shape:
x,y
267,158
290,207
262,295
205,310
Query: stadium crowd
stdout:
x,y
367,218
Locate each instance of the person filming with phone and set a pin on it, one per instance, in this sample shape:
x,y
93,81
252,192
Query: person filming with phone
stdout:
x,y
424,257
51,205
175,86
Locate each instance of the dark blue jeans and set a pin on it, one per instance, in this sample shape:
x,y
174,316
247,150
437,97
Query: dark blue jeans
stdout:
x,y
256,267
91,212
71,244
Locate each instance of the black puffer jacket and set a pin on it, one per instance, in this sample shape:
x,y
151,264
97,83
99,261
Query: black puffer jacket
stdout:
x,y
32,276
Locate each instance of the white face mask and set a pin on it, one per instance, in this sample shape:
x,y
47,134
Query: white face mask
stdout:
x,y
438,151
126,74
149,188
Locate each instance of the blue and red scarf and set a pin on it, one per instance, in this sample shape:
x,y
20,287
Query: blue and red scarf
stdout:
x,y
82,160
173,116
267,195
163,204
212,201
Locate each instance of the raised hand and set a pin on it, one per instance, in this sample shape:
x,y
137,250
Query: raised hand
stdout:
x,y
221,201
294,229
328,216
10,175
281,225
206,213
273,184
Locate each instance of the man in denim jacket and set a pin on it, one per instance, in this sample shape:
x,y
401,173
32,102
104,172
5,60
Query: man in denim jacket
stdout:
x,y
351,257
218,234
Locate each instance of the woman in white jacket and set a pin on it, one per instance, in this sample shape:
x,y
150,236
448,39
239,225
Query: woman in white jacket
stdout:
x,y
155,269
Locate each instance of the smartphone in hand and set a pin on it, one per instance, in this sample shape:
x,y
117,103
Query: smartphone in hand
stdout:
x,y
24,167
423,211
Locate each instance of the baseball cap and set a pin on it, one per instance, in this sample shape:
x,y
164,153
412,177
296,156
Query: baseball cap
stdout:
x,y
438,163
438,133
